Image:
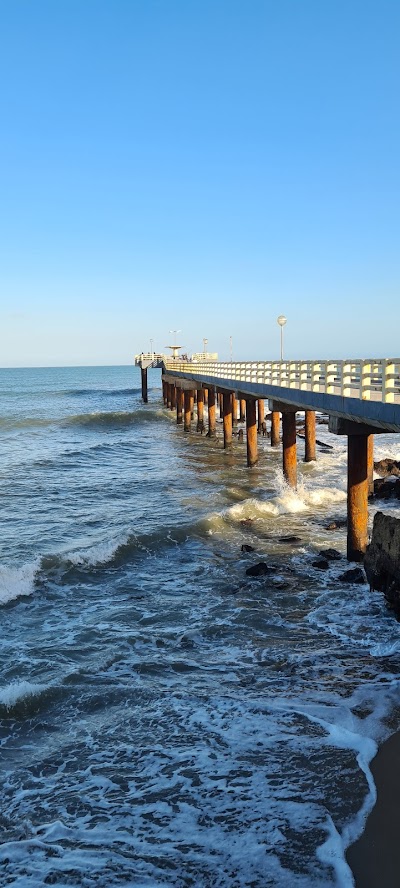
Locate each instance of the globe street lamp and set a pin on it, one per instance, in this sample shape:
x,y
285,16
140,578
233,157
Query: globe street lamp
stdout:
x,y
281,321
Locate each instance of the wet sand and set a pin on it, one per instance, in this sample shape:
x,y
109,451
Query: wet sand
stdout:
x,y
375,857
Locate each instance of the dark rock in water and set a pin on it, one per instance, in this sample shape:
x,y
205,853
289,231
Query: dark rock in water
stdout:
x,y
382,558
321,564
259,570
246,548
353,575
246,522
330,554
385,467
384,489
289,539
336,525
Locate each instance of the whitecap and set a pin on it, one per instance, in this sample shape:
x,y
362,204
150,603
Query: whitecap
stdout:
x,y
17,581
17,691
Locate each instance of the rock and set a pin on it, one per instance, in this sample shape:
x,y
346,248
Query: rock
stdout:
x,y
259,569
385,467
246,548
289,539
335,525
330,554
384,489
382,558
246,522
353,575
320,564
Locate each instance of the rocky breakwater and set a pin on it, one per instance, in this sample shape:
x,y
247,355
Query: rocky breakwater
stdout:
x,y
382,559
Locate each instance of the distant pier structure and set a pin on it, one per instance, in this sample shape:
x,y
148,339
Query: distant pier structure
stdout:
x,y
360,397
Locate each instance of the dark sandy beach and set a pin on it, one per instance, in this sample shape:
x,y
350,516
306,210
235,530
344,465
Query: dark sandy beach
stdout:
x,y
375,857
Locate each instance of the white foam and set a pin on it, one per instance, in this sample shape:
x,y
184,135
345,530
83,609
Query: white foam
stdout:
x,y
100,553
17,691
17,581
287,502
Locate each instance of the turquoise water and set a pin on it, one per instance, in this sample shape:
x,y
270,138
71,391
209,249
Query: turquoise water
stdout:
x,y
165,719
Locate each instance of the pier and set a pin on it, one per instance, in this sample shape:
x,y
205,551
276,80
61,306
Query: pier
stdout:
x,y
360,397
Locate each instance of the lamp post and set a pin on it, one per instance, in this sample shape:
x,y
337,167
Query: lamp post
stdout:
x,y
175,332
151,347
281,321
205,343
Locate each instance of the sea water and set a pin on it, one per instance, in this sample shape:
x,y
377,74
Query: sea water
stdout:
x,y
165,718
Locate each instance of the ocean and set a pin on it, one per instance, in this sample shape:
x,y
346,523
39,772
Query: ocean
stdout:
x,y
165,718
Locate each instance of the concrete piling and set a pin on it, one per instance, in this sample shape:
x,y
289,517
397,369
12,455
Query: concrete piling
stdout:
x,y
211,413
275,437
370,445
289,448
309,454
251,432
200,410
187,410
242,410
260,415
234,409
179,406
357,496
144,384
227,413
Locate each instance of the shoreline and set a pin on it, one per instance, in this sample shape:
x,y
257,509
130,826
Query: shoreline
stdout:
x,y
374,858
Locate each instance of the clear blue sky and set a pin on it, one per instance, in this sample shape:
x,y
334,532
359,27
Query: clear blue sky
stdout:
x,y
203,165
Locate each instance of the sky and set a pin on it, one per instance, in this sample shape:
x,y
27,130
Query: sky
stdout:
x,y
202,166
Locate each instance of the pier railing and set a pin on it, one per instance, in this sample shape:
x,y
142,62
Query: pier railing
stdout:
x,y
368,380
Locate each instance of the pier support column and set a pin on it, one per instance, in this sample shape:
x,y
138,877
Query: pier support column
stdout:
x,y
164,391
211,413
370,465
144,384
169,395
251,432
357,496
260,414
309,454
200,410
221,405
192,395
234,409
289,448
179,406
173,397
242,410
227,410
205,393
275,419
187,410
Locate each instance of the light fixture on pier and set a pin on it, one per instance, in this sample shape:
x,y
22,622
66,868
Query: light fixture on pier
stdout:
x,y
174,348
151,347
205,343
281,321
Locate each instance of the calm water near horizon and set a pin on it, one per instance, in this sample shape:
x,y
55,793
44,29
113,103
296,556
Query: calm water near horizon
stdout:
x,y
165,719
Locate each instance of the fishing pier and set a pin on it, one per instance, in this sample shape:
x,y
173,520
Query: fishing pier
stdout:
x,y
360,397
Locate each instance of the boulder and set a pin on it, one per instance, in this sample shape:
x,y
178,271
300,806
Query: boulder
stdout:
x,y
290,539
259,569
330,554
353,575
246,548
384,489
320,564
385,467
382,558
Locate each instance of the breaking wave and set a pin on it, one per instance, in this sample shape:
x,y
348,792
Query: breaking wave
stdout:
x,y
16,582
